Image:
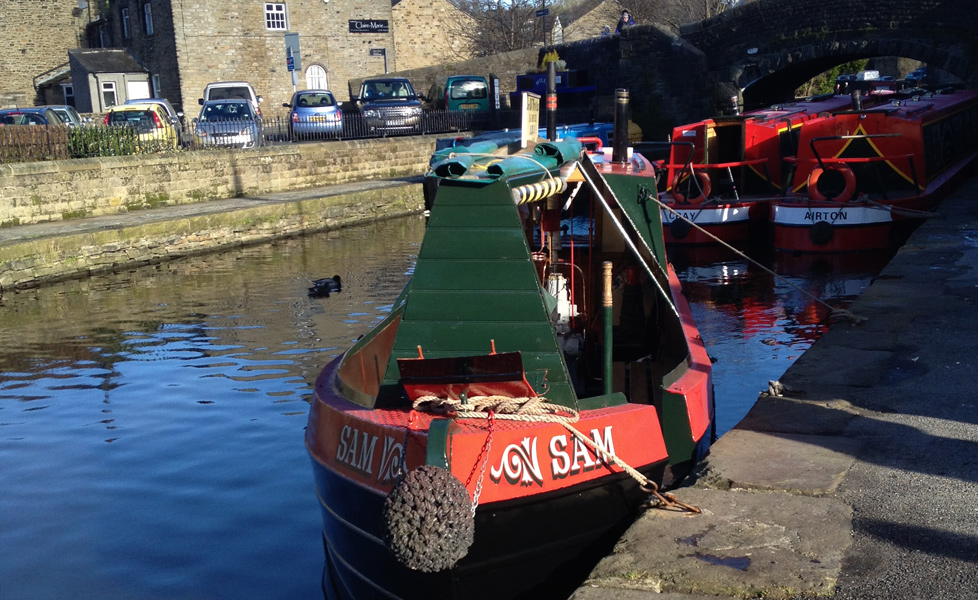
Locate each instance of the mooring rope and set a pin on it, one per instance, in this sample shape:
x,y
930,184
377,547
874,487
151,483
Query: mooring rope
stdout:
x,y
834,312
539,410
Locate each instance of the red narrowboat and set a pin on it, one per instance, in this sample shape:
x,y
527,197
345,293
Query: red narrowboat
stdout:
x,y
722,171
522,399
861,173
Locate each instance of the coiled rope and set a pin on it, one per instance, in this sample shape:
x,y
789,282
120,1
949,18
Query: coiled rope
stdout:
x,y
539,410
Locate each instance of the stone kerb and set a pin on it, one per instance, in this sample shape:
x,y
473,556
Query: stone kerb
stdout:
x,y
59,190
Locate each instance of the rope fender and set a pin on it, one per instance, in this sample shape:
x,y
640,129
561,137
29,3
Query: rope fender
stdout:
x,y
534,192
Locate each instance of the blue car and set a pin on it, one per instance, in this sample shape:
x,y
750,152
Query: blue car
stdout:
x,y
314,114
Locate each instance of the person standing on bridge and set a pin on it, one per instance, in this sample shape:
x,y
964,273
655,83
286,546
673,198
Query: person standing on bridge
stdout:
x,y
625,21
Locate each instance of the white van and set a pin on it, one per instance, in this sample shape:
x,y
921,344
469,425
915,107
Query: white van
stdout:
x,y
231,90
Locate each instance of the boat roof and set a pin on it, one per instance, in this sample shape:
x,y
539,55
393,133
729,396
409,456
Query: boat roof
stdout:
x,y
475,287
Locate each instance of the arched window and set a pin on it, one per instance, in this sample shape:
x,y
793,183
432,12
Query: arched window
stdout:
x,y
316,78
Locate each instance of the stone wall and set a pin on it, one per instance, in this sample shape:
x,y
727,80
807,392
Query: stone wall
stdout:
x,y
426,32
48,259
35,37
57,190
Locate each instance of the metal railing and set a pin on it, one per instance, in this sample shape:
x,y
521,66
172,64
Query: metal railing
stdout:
x,y
54,142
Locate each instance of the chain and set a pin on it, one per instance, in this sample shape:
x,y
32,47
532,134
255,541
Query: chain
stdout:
x,y
484,458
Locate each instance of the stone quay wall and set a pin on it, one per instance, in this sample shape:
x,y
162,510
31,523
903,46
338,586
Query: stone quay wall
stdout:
x,y
60,190
47,259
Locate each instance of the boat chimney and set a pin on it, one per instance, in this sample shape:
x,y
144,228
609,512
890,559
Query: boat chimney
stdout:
x,y
857,100
619,146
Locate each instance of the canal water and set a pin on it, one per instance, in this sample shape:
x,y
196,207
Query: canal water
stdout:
x,y
151,421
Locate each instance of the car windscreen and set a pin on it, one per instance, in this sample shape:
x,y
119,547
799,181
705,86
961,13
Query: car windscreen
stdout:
x,y
312,99
140,120
229,93
226,111
384,90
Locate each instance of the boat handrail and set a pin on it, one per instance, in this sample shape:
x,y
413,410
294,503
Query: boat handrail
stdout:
x,y
725,165
863,136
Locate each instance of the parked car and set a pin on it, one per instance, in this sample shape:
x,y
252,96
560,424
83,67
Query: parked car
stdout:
x,y
176,118
153,127
315,113
389,105
231,90
41,115
466,92
229,123
68,115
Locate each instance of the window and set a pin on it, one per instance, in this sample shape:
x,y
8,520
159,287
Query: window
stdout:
x,y
125,23
316,78
148,19
69,93
276,16
108,94
156,86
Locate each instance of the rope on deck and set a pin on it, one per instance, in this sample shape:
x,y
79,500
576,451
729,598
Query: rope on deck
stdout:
x,y
539,410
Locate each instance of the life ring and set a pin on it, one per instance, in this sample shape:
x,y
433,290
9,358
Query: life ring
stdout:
x,y
705,186
832,183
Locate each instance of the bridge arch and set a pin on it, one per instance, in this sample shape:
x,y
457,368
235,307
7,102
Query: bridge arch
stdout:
x,y
765,49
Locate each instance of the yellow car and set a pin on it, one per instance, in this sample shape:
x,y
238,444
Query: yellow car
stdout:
x,y
152,125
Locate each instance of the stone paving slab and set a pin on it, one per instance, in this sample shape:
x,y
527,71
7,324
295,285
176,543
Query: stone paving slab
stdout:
x,y
745,544
810,465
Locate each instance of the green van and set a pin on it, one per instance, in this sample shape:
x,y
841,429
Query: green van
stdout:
x,y
466,92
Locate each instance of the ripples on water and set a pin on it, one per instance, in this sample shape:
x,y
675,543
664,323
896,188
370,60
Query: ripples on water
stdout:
x,y
151,421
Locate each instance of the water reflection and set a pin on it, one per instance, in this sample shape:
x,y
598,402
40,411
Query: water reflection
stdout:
x,y
756,323
151,421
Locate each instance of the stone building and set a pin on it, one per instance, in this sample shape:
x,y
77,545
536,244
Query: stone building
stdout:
x,y
34,41
105,77
186,45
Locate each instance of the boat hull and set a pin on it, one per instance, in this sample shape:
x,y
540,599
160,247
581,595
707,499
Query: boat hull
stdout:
x,y
802,225
727,222
525,548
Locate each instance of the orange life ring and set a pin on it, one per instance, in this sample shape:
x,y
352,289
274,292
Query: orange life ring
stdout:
x,y
705,186
843,196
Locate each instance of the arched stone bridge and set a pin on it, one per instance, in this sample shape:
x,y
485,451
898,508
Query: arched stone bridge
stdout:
x,y
768,48
765,49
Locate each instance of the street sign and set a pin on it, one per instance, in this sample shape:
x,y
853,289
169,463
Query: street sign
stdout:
x,y
378,52
544,12
292,52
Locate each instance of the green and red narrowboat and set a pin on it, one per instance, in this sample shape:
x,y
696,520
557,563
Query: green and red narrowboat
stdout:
x,y
523,397
861,173
722,171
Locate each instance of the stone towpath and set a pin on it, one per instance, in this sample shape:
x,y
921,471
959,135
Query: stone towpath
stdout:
x,y
860,480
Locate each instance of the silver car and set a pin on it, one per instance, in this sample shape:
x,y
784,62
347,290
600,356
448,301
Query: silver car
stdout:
x,y
68,115
314,114
233,123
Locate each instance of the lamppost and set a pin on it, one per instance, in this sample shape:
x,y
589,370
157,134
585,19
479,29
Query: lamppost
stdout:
x,y
543,10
